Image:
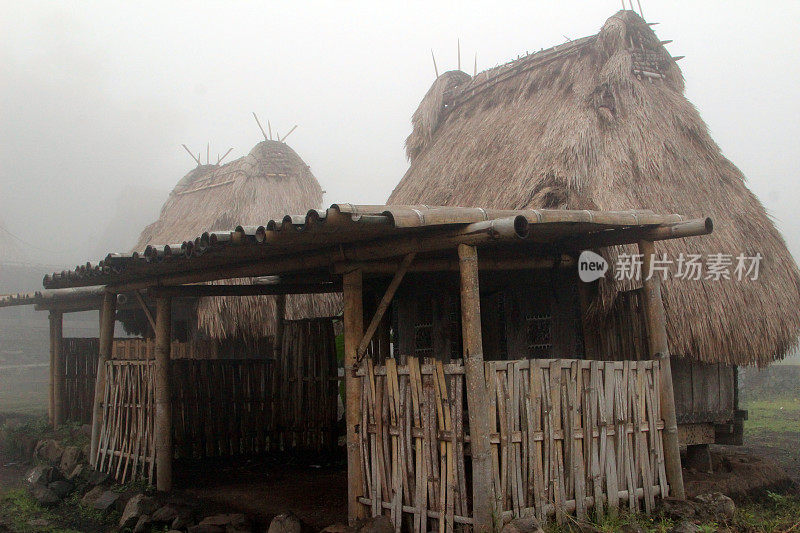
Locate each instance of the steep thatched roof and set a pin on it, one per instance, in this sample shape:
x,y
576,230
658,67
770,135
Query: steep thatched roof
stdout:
x,y
602,123
269,181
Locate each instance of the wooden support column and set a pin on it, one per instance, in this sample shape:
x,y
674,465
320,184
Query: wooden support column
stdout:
x,y
108,316
280,316
659,349
353,332
483,498
57,371
163,421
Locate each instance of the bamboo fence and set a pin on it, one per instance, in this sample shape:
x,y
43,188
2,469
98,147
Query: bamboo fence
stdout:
x,y
79,356
567,435
126,449
222,407
308,393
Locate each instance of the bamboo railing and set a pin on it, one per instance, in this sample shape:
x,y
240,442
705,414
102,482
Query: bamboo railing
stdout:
x,y
567,435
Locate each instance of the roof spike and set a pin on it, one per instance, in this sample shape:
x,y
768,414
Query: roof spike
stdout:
x,y
666,42
677,58
652,23
458,44
219,160
196,159
261,128
435,68
475,68
208,153
290,132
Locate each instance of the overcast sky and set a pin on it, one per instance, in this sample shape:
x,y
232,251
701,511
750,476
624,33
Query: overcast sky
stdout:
x,y
97,97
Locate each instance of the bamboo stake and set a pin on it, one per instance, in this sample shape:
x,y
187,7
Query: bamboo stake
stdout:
x,y
482,487
659,350
353,329
262,129
196,159
107,318
435,68
283,139
163,419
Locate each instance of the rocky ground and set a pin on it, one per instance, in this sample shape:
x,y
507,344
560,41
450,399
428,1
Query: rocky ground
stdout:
x,y
47,486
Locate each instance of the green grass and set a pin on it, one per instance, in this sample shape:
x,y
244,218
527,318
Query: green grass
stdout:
x,y
20,509
775,415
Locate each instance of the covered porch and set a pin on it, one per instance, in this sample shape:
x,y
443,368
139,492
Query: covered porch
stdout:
x,y
434,440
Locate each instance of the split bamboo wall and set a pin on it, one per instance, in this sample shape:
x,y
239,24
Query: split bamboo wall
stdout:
x,y
567,435
222,407
80,369
308,393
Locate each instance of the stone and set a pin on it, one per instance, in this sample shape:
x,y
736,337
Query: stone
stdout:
x,y
227,522
39,523
142,525
717,505
27,445
184,519
685,527
90,497
48,450
205,528
287,523
42,475
335,528
77,472
44,496
523,525
676,509
61,487
165,514
137,506
106,501
69,459
375,524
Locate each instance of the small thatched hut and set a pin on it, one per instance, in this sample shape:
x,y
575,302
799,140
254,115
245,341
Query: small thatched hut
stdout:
x,y
602,123
266,183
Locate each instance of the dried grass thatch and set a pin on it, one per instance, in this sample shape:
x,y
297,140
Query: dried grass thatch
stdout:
x,y
267,183
602,123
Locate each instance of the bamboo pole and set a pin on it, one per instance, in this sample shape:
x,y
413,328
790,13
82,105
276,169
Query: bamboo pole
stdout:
x,y
52,379
280,316
57,375
659,349
163,421
353,331
108,317
483,498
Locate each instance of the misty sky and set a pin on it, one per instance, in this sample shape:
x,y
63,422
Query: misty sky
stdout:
x,y
96,97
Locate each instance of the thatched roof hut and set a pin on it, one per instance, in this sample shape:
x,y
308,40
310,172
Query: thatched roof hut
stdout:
x,y
266,183
602,123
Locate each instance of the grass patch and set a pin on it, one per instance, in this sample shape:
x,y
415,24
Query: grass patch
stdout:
x,y
776,513
25,515
772,415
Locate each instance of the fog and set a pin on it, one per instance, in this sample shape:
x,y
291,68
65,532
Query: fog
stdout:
x,y
97,97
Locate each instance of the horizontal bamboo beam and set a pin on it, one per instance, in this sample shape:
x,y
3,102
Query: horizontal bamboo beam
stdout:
x,y
446,264
201,291
689,228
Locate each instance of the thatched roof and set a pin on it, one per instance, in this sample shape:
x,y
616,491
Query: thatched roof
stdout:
x,y
269,181
602,123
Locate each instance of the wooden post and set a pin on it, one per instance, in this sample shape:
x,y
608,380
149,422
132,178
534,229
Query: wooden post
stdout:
x,y
483,499
108,316
353,332
280,316
163,421
659,349
57,371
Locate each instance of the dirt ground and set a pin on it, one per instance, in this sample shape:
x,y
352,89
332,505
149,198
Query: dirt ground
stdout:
x,y
266,487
